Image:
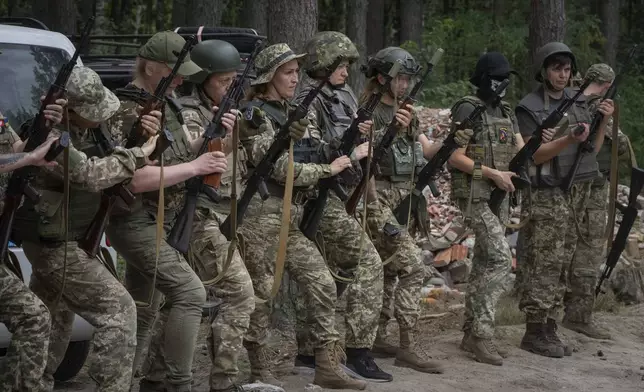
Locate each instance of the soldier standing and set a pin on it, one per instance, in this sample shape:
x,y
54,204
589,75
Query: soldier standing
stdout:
x,y
550,236
266,110
64,277
580,299
334,108
134,233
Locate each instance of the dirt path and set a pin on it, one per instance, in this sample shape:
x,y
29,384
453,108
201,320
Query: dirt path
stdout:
x,y
619,366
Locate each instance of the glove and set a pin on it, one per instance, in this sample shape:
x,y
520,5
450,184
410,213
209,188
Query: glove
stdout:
x,y
462,137
298,128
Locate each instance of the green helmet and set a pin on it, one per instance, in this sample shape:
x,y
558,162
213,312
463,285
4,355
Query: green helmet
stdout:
x,y
214,56
325,47
548,50
382,62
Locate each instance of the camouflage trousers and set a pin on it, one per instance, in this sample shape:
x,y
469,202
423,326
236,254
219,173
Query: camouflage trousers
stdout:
x,y
549,240
491,266
403,271
207,255
149,281
93,293
589,255
340,239
28,320
304,265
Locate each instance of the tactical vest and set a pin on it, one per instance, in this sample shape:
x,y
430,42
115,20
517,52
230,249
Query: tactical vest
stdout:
x,y
336,107
44,221
206,116
552,173
493,145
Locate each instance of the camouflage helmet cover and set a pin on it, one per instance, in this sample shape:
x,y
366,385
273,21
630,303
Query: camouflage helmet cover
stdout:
x,y
87,96
600,73
270,59
382,62
214,56
548,50
325,47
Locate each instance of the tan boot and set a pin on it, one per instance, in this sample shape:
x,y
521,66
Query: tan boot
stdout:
x,y
260,364
466,347
381,348
407,356
328,373
484,351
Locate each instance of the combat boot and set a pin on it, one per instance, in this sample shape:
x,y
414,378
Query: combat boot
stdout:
x,y
328,373
551,333
151,386
408,357
260,369
381,348
536,341
361,361
465,346
591,329
484,350
302,360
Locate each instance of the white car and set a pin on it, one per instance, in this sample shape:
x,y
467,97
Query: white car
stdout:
x,y
29,61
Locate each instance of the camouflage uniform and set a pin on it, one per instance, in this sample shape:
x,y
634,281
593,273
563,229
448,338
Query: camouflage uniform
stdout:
x,y
133,234
22,312
88,288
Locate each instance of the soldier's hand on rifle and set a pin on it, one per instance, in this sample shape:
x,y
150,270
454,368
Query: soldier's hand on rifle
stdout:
x,y
339,164
210,162
151,123
547,135
149,146
503,179
37,156
580,137
462,137
403,115
228,119
361,151
297,129
365,126
606,107
54,112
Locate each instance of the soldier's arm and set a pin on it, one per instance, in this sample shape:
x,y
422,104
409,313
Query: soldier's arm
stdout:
x,y
546,151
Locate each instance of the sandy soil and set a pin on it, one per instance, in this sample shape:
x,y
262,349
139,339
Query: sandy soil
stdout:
x,y
612,365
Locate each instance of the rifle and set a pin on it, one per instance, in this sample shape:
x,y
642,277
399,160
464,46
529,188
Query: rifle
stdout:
x,y
416,200
314,209
91,240
179,237
36,134
389,136
630,213
588,145
519,164
257,181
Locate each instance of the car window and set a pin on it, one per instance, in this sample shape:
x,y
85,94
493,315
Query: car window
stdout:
x,y
26,72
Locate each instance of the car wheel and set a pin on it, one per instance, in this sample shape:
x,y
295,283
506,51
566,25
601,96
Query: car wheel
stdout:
x,y
73,361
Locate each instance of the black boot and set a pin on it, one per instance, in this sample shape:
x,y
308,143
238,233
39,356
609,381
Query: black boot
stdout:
x,y
361,361
536,341
305,361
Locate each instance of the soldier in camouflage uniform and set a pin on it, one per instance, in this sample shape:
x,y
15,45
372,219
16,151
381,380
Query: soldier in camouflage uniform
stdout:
x,y
133,232
266,111
21,311
580,298
550,236
209,248
334,108
64,277
475,170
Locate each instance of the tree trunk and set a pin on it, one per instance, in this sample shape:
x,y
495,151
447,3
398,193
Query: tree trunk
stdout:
x,y
179,15
63,16
357,32
292,22
206,13
547,24
375,26
610,28
411,21
255,15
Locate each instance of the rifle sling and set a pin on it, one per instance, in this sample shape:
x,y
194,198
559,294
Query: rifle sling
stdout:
x,y
65,213
614,168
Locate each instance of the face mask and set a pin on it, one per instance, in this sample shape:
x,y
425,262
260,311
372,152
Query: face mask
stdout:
x,y
494,84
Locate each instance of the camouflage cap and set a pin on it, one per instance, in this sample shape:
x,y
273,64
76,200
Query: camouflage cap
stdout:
x,y
164,47
270,59
601,73
325,47
87,96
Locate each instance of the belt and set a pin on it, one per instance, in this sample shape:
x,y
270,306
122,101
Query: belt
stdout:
x,y
300,195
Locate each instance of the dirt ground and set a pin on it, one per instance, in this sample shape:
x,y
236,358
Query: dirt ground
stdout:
x,y
611,365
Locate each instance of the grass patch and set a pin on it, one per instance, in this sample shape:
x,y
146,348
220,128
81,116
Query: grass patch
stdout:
x,y
507,311
607,303
120,267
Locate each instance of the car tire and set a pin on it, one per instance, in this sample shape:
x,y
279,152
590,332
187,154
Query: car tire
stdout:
x,y
73,361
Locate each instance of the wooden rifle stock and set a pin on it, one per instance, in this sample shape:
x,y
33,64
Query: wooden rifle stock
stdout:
x,y
214,179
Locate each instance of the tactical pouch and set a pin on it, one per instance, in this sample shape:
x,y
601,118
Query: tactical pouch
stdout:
x,y
401,161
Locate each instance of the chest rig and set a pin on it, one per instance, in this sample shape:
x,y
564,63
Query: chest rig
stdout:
x,y
493,145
